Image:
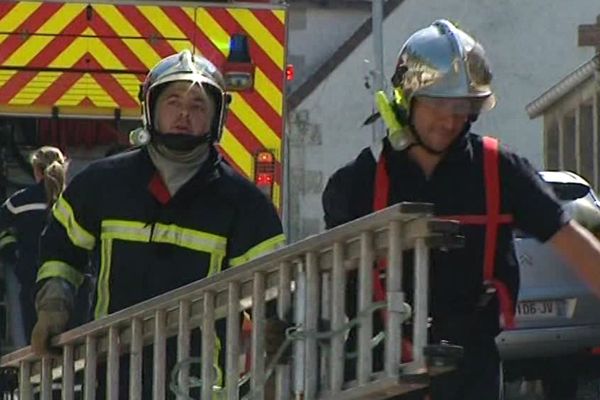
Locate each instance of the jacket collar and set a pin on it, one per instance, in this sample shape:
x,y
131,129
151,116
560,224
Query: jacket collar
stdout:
x,y
208,172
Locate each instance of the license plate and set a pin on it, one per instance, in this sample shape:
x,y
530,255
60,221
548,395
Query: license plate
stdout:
x,y
540,309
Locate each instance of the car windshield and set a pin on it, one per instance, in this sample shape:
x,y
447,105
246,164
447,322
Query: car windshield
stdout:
x,y
569,191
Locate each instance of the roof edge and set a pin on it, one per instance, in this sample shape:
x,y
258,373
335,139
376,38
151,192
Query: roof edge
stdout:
x,y
559,90
304,90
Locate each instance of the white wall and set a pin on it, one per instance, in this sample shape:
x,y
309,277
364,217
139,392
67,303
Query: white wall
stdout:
x,y
531,44
316,32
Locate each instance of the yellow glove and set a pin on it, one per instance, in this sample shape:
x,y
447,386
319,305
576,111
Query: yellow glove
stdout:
x,y
49,323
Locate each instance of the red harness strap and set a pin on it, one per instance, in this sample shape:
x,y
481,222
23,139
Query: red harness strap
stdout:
x,y
380,201
382,185
492,219
492,199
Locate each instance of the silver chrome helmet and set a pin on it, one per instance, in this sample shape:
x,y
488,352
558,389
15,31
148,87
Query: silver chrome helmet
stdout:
x,y
185,66
443,61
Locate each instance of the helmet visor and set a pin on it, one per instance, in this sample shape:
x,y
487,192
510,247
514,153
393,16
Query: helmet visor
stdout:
x,y
459,106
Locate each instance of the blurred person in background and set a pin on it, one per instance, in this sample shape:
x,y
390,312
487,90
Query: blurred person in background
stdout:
x,y
22,219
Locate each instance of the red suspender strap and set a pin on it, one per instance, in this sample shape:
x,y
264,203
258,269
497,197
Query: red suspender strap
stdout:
x,y
492,200
380,201
381,193
492,197
381,190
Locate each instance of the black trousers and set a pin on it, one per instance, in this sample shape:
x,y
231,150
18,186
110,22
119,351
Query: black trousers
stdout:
x,y
147,372
170,363
476,378
28,312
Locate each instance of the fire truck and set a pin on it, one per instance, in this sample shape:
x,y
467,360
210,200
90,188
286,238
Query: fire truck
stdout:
x,y
70,74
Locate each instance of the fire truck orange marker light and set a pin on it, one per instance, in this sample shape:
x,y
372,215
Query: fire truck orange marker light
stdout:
x,y
264,157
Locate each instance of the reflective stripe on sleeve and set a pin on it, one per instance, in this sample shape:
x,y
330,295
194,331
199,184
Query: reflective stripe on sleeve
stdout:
x,y
6,238
63,213
260,249
25,207
60,269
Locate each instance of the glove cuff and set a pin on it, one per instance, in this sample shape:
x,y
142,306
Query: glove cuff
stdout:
x,y
55,295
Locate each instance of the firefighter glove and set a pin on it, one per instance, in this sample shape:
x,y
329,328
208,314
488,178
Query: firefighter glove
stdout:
x,y
49,323
53,303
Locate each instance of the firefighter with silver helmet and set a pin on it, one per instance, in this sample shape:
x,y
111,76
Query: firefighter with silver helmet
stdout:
x,y
158,217
441,83
203,75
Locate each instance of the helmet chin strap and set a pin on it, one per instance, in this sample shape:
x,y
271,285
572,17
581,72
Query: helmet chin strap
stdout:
x,y
434,152
181,142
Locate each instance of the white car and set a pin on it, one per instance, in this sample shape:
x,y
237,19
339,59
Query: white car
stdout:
x,y
557,317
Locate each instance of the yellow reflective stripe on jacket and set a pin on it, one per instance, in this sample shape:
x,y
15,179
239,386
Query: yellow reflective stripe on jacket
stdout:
x,y
133,231
103,286
262,248
219,378
216,264
194,240
59,269
63,213
136,231
161,233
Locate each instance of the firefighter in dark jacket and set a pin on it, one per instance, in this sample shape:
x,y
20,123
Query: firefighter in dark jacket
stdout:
x,y
441,84
22,218
159,217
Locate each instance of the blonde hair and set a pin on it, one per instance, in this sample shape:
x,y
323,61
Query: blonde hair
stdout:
x,y
51,162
